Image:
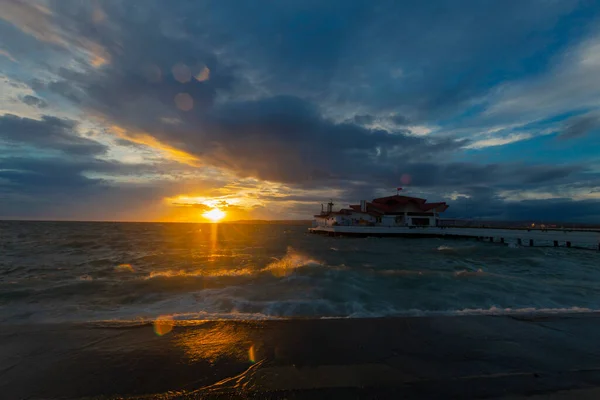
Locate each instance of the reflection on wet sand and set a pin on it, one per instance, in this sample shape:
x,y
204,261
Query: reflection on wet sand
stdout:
x,y
429,357
216,342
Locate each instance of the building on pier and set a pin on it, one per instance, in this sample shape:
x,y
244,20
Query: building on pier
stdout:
x,y
391,211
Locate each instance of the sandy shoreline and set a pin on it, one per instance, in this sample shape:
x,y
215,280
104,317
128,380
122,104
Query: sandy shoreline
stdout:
x,y
425,357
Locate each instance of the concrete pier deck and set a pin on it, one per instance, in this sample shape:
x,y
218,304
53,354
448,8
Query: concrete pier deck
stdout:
x,y
511,357
580,238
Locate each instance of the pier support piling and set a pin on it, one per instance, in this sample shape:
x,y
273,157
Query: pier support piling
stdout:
x,y
519,241
568,244
556,243
531,242
491,240
501,240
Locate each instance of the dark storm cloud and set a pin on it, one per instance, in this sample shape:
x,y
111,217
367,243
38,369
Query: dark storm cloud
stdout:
x,y
38,176
429,58
580,126
48,133
281,138
61,188
425,57
564,210
34,101
37,187
465,176
277,69
287,138
54,174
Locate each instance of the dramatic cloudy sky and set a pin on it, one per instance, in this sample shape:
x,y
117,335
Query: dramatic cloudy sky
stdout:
x,y
159,110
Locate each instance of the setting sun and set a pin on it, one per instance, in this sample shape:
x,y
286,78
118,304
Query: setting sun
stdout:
x,y
214,215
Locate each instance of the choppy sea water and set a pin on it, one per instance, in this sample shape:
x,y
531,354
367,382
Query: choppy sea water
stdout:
x,y
59,272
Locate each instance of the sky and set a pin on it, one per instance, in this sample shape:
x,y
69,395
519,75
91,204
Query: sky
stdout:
x,y
163,110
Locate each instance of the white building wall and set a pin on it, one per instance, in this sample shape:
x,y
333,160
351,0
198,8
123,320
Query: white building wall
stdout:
x,y
320,221
355,217
388,220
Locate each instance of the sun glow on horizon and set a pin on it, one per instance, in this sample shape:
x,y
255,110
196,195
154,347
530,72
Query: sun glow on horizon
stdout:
x,y
215,215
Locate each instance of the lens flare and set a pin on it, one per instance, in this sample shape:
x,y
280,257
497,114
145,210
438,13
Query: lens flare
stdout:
x,y
163,325
124,267
203,75
214,215
252,354
184,101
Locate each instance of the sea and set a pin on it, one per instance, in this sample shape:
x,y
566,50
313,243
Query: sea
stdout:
x,y
138,272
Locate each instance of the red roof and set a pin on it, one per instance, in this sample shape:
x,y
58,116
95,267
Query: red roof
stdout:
x,y
389,205
370,210
398,199
392,204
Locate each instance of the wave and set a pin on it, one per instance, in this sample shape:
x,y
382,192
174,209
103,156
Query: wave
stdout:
x,y
465,272
458,274
470,312
280,267
172,273
191,318
457,249
290,262
244,303
185,319
404,272
513,311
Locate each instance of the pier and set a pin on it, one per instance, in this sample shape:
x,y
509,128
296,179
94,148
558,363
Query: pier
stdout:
x,y
572,238
415,217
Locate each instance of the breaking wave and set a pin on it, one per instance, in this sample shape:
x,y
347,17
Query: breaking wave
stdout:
x,y
290,262
138,272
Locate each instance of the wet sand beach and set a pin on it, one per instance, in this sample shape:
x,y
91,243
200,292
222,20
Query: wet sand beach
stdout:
x,y
424,357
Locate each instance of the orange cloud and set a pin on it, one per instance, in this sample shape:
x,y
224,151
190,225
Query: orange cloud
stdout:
x,y
37,20
98,55
150,141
